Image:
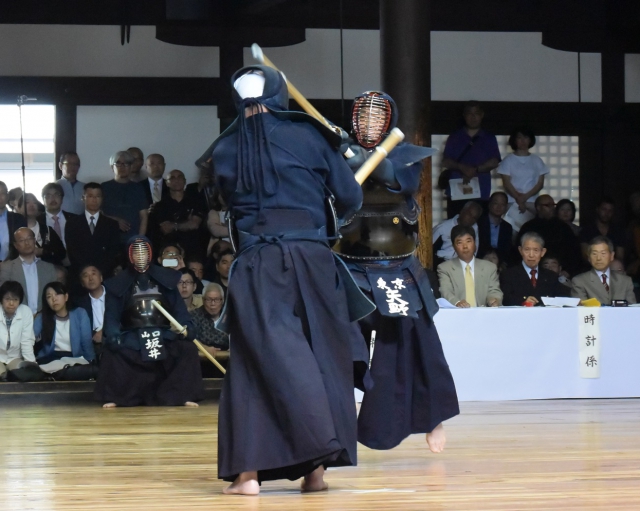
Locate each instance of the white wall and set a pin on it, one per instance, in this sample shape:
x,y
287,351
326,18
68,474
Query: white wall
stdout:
x,y
490,66
82,50
180,133
632,78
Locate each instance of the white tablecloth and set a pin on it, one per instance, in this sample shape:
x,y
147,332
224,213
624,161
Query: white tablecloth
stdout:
x,y
532,353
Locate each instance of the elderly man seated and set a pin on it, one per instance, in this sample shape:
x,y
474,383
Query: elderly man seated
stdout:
x,y
601,282
204,319
526,283
465,280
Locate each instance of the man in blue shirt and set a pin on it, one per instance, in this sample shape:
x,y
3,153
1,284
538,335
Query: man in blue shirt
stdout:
x,y
69,165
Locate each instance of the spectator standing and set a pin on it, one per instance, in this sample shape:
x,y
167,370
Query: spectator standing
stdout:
x,y
49,246
124,200
52,195
522,172
471,152
137,174
94,238
72,189
154,186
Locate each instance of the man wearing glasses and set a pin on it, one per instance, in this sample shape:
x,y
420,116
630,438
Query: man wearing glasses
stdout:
x,y
124,200
32,273
204,319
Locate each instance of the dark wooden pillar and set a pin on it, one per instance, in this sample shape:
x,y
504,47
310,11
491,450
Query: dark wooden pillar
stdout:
x,y
231,59
405,52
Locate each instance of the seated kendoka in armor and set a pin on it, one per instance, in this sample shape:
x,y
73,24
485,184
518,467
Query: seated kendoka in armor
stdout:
x,y
287,409
413,391
144,362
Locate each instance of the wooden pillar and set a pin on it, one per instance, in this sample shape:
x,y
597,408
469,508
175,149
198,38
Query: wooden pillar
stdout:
x,y
405,52
231,59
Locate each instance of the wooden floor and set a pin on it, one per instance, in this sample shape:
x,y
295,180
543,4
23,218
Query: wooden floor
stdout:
x,y
531,455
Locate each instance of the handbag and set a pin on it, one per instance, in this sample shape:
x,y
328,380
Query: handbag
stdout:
x,y
445,175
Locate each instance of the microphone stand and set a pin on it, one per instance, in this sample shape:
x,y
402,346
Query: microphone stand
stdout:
x,y
21,101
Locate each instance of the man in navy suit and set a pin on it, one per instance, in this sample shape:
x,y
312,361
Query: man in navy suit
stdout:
x,y
527,283
93,238
494,232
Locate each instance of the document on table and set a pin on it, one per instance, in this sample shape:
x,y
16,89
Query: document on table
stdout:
x,y
560,301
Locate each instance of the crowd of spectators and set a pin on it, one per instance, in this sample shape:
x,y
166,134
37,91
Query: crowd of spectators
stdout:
x,y
56,252
534,247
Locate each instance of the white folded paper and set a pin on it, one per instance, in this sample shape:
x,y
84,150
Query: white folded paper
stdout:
x,y
560,301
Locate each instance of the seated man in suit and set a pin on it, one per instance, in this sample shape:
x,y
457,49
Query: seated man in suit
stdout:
x,y
493,231
442,244
93,238
9,223
466,281
92,300
32,273
527,283
601,282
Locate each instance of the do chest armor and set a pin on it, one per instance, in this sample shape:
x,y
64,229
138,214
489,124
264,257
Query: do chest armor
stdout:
x,y
386,227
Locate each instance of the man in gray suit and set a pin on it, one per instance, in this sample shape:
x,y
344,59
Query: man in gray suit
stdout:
x,y
466,281
32,273
600,282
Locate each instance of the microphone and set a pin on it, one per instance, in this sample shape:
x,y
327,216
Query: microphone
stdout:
x,y
22,99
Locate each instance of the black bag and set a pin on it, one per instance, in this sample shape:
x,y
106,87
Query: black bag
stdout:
x,y
445,175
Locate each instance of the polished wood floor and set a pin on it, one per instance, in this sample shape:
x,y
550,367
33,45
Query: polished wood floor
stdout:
x,y
531,455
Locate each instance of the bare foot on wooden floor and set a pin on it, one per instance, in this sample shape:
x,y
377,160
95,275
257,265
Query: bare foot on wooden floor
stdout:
x,y
109,405
191,404
245,484
436,439
314,481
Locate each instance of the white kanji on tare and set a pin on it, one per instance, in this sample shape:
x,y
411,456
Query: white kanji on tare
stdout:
x,y
394,298
153,343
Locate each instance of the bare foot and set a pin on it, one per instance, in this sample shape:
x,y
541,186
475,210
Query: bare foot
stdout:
x,y
109,405
314,481
192,404
436,439
245,484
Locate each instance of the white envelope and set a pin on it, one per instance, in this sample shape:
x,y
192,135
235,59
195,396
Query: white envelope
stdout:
x,y
460,191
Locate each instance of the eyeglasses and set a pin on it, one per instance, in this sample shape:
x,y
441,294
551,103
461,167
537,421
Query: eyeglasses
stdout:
x,y
120,164
186,282
213,300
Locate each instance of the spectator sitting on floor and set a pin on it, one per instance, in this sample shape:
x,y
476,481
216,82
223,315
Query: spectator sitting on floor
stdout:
x,y
187,286
551,262
526,283
442,244
223,265
466,281
92,300
600,282
64,332
204,319
16,331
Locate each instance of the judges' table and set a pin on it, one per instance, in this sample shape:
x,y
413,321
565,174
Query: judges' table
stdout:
x,y
499,354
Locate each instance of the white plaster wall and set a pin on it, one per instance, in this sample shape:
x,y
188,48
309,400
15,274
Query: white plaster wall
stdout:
x,y
83,50
632,78
180,133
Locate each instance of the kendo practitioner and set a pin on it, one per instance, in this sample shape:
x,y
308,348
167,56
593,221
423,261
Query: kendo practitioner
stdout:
x,y
144,362
286,409
413,391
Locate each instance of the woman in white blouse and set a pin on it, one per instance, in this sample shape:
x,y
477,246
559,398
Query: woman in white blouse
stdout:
x,y
16,330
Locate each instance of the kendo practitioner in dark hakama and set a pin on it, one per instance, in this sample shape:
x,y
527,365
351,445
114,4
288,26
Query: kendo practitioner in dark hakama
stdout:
x,y
143,361
287,409
413,390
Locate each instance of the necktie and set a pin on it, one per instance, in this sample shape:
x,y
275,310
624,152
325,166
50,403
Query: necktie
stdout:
x,y
534,280
56,226
92,225
604,281
469,287
156,192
